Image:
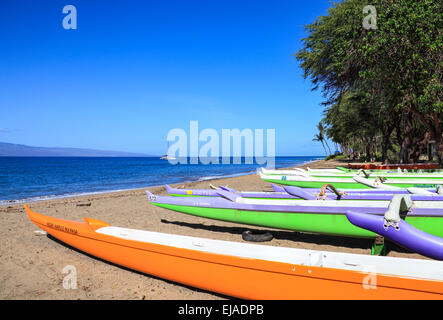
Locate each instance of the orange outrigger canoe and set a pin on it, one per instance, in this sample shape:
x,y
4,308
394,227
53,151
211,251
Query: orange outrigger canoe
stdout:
x,y
251,271
412,166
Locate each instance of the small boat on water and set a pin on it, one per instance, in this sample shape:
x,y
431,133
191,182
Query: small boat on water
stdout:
x,y
413,166
312,216
168,156
250,271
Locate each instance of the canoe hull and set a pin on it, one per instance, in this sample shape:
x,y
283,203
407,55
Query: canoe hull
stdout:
x,y
237,276
438,177
344,184
213,193
317,184
320,223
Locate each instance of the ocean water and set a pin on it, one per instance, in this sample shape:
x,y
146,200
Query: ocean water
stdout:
x,y
24,179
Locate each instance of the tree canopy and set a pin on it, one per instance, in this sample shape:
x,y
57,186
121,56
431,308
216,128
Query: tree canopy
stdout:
x,y
382,85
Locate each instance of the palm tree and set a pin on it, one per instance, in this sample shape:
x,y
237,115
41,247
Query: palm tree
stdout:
x,y
321,137
321,130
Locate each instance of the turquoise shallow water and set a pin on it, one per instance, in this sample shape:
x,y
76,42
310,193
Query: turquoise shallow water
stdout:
x,y
36,178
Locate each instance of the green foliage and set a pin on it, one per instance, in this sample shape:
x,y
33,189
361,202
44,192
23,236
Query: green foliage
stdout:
x,y
383,87
335,157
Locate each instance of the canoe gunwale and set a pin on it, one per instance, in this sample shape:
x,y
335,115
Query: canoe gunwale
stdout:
x,y
222,203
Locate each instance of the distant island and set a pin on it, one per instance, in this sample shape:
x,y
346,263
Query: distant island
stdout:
x,y
20,150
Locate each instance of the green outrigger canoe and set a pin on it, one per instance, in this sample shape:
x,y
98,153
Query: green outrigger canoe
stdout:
x,y
310,216
335,173
355,182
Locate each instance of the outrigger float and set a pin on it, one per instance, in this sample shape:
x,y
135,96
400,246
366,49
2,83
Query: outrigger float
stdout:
x,y
250,271
393,227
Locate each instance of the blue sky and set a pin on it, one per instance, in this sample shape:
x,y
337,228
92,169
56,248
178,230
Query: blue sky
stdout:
x,y
133,70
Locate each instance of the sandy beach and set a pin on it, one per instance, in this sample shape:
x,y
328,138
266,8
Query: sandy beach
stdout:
x,y
31,263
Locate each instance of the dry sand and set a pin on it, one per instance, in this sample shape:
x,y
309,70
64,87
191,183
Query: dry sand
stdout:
x,y
31,264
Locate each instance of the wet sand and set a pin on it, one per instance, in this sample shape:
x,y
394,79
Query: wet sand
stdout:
x,y
31,264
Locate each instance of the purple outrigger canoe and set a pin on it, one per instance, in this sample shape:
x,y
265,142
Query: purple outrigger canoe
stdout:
x,y
434,191
307,194
421,228
292,192
213,193
313,216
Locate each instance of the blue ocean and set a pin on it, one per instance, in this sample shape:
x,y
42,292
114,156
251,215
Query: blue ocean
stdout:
x,y
36,178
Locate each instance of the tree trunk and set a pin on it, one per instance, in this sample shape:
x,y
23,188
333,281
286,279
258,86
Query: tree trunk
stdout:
x,y
386,140
439,147
406,145
385,144
419,147
437,136
435,128
328,146
324,148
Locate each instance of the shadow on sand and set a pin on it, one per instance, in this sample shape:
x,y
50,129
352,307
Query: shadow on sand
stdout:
x,y
137,272
319,239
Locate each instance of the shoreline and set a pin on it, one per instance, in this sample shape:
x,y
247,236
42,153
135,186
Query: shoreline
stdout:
x,y
81,194
33,263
